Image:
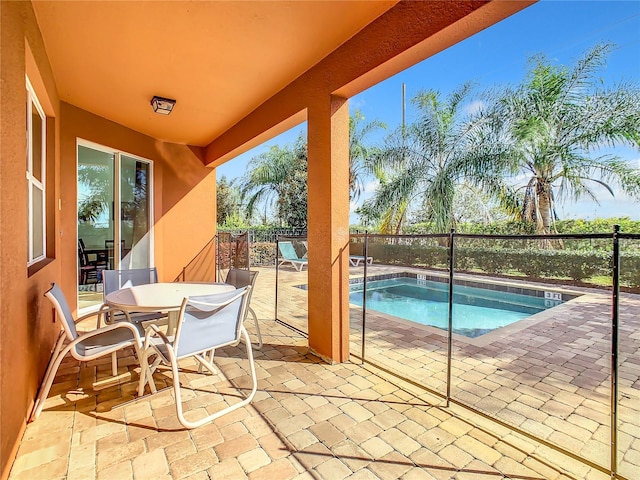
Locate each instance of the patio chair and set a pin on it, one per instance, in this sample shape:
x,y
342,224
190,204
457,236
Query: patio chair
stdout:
x,y
289,255
241,278
100,258
109,246
355,260
116,279
83,346
87,268
205,323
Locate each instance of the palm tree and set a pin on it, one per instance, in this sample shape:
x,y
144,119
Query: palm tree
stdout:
x,y
227,200
269,175
359,152
97,185
278,177
558,118
427,161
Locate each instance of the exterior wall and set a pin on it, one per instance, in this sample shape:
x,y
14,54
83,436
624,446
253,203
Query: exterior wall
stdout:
x,y
184,192
26,327
184,214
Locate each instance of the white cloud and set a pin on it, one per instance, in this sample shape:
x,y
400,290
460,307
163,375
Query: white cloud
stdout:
x,y
371,186
590,210
474,107
356,104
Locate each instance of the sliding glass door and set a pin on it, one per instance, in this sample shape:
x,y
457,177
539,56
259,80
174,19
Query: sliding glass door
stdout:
x,y
114,217
135,209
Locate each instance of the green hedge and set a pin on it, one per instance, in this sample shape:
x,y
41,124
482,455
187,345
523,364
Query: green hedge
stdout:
x,y
262,253
599,225
534,263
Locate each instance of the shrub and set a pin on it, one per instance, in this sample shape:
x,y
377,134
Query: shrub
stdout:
x,y
262,253
534,263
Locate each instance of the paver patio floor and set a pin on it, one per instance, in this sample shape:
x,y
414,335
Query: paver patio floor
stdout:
x,y
308,420
548,375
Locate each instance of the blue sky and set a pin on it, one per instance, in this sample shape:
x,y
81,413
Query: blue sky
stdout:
x,y
561,30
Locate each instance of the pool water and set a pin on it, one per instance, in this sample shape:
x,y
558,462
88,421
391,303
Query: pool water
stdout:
x,y
476,311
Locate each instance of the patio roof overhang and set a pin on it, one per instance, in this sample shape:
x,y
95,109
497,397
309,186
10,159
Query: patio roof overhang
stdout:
x,y
241,72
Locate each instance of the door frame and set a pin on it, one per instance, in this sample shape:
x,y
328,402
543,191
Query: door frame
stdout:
x,y
117,207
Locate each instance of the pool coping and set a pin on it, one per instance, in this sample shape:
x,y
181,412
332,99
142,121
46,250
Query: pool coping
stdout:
x,y
496,285
566,300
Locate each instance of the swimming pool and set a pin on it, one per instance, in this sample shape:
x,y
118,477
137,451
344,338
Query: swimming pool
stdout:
x,y
476,311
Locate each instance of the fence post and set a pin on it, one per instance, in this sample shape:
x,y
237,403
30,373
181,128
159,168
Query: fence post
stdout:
x,y
364,291
614,349
276,295
450,328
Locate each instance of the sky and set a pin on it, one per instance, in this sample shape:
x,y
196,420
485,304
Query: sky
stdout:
x,y
560,30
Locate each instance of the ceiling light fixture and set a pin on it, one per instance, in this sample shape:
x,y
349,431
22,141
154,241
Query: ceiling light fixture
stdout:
x,y
162,105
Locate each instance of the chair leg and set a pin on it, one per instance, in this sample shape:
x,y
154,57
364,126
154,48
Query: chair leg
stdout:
x,y
257,346
235,406
146,372
206,361
50,374
114,364
208,358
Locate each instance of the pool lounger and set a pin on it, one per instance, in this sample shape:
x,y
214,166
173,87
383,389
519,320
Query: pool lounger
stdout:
x,y
355,260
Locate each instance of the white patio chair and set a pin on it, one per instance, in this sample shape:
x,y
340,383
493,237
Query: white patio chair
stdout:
x,y
116,279
205,323
241,278
83,346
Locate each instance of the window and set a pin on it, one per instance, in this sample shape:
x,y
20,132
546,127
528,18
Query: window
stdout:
x,y
36,165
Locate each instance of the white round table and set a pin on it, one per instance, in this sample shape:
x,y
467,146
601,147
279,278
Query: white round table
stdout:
x,y
161,297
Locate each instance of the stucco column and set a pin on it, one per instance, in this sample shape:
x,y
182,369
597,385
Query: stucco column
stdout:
x,y
328,230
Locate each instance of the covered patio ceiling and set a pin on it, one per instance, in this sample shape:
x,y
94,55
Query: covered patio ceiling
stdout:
x,y
219,60
241,71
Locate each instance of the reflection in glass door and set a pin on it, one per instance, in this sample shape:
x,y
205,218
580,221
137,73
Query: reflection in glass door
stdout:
x,y
135,244
111,185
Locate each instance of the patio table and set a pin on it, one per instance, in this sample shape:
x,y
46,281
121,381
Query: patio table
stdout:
x,y
161,297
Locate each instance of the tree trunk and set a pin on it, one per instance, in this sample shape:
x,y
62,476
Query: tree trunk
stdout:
x,y
544,209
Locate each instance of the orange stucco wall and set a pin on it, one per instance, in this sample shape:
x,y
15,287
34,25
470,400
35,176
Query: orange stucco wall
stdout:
x,y
184,201
328,208
184,191
26,327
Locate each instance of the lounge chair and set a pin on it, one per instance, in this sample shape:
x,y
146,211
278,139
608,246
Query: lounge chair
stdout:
x,y
355,260
206,323
289,255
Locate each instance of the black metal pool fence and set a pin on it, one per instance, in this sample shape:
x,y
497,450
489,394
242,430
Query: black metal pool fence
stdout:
x,y
578,259
609,262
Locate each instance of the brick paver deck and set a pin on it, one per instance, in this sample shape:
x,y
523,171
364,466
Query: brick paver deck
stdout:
x,y
313,420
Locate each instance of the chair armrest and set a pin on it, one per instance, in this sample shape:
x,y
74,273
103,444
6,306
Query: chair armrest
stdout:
x,y
104,309
154,331
82,337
